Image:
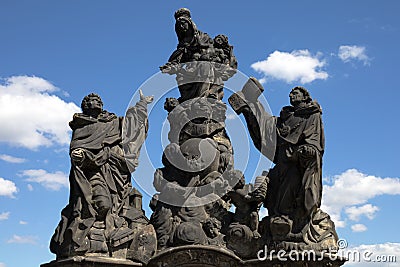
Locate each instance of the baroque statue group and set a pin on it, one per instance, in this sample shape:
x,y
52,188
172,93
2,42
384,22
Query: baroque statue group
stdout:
x,y
202,200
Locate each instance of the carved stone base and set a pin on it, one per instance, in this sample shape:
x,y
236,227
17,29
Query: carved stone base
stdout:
x,y
203,256
195,256
79,261
208,256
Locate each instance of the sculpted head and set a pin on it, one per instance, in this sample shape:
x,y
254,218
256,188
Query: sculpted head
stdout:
x,y
221,41
92,105
182,12
184,25
212,227
299,95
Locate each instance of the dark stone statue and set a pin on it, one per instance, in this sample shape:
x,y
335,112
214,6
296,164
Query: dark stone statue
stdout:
x,y
198,183
201,64
204,213
294,194
192,203
104,214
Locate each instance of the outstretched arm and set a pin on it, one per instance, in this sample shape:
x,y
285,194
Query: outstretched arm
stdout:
x,y
134,130
261,124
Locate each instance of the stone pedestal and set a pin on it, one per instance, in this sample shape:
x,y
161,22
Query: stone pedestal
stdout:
x,y
206,256
195,256
209,256
80,261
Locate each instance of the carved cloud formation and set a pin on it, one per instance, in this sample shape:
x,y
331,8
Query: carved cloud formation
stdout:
x,y
297,66
31,115
350,192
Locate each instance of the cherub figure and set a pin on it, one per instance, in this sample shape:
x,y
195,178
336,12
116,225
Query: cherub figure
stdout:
x,y
225,65
222,49
212,228
248,199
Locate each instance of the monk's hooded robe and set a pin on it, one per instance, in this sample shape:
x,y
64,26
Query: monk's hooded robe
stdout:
x,y
111,148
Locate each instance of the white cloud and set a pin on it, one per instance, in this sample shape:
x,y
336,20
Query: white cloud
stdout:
x,y
353,52
30,187
353,188
7,188
4,216
23,239
2,264
52,181
376,255
31,115
263,80
359,227
297,66
23,222
11,159
354,213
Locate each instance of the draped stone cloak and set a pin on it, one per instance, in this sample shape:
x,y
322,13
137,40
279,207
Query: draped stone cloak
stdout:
x,y
295,188
104,141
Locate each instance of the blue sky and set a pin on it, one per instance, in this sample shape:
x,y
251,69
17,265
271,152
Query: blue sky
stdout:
x,y
53,53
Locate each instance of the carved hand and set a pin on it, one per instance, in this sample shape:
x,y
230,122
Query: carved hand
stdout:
x,y
77,155
147,99
169,68
307,150
165,68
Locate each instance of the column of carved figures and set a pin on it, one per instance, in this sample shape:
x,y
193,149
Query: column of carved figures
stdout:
x,y
198,183
104,216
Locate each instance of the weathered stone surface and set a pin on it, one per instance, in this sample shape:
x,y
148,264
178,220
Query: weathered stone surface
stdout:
x,y
87,261
195,256
295,220
104,213
192,203
143,246
200,256
198,182
201,64
191,224
210,256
